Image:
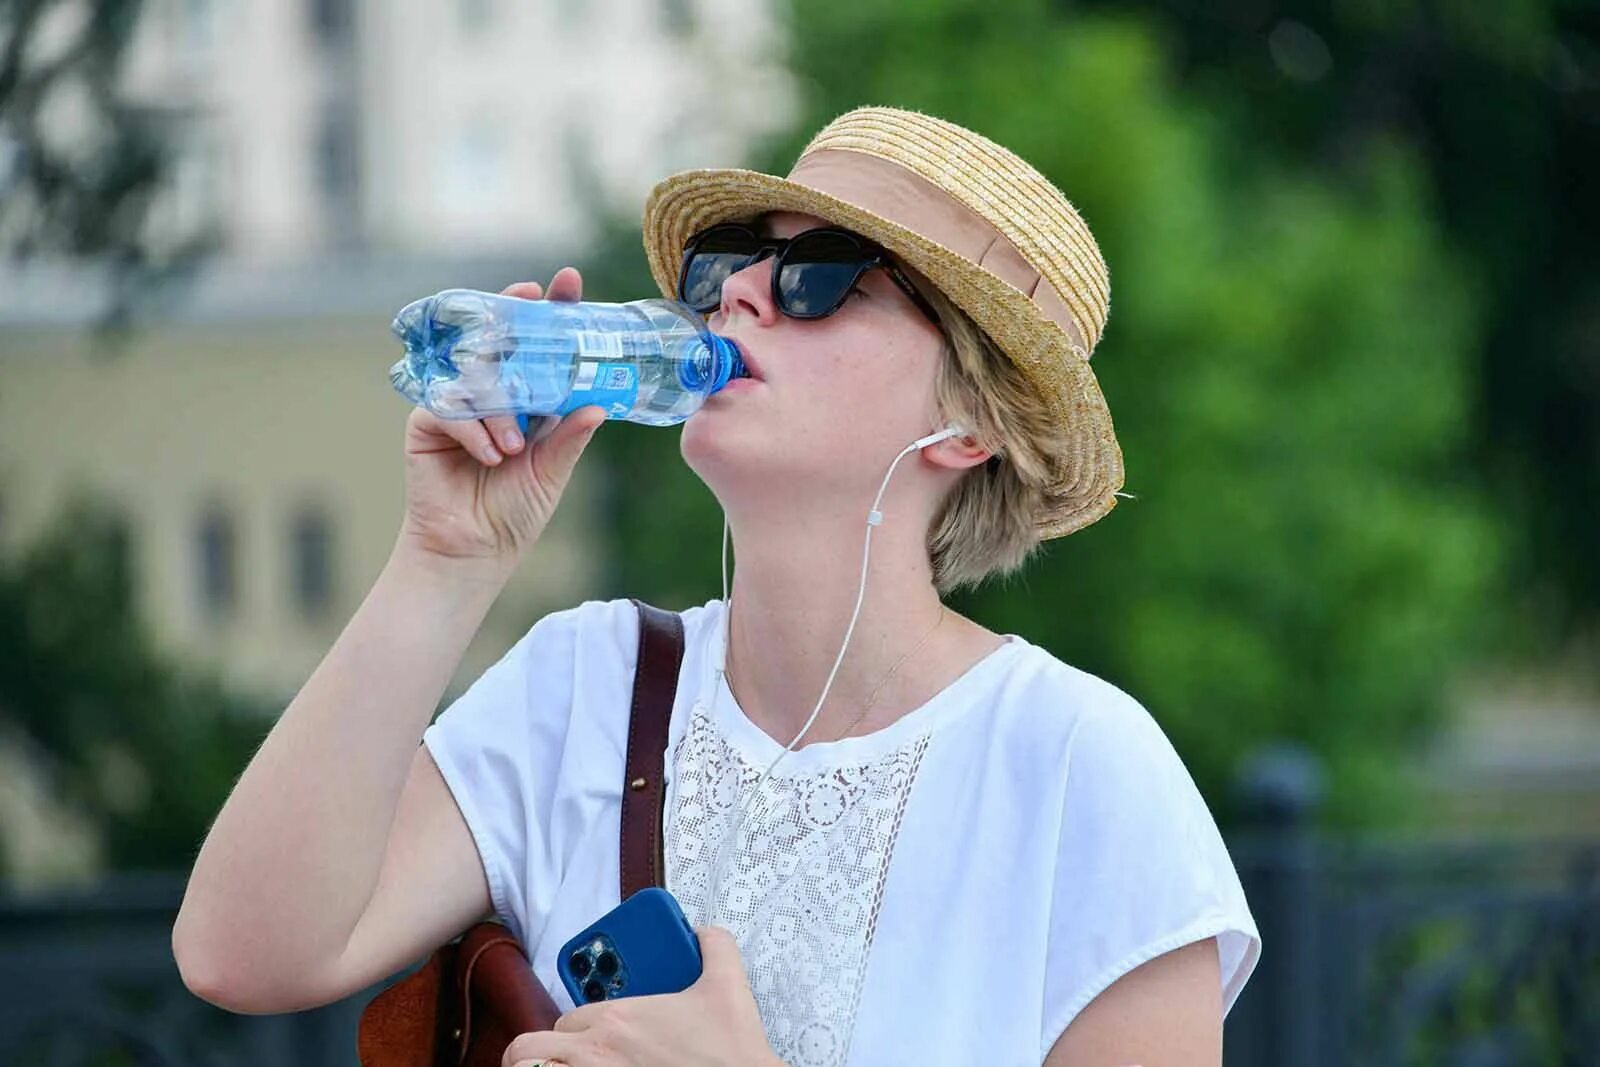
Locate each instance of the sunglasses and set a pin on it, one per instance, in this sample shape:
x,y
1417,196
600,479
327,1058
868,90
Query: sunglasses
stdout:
x,y
811,277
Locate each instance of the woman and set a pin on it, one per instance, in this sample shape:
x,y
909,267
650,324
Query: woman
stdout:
x,y
946,846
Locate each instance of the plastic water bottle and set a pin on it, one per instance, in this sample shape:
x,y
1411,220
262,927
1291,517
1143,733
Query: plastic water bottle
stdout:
x,y
471,354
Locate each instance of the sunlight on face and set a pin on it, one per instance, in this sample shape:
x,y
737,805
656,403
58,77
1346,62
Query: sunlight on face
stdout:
x,y
836,398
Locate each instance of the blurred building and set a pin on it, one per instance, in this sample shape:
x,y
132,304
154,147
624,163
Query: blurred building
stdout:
x,y
258,465
349,156
446,126
252,445
346,157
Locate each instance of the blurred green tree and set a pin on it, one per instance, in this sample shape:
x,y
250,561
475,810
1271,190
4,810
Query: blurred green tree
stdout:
x,y
1500,104
148,752
82,163
81,167
1289,365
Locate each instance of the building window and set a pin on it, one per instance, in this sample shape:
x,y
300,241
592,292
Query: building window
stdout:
x,y
338,175
677,17
333,22
472,16
311,562
216,552
336,155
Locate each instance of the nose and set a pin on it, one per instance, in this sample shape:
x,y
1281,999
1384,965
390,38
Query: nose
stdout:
x,y
748,291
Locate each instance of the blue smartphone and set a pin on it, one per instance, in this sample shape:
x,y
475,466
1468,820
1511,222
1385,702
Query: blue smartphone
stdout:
x,y
641,947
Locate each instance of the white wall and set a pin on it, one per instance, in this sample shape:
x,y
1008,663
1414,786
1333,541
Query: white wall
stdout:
x,y
479,126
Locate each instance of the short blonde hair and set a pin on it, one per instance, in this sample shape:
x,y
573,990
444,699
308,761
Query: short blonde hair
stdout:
x,y
986,524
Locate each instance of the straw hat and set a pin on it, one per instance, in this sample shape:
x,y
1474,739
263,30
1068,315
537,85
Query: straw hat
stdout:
x,y
985,227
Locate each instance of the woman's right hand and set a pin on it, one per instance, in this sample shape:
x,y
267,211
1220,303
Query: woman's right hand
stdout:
x,y
475,489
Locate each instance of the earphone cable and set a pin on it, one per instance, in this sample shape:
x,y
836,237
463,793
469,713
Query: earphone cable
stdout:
x,y
874,518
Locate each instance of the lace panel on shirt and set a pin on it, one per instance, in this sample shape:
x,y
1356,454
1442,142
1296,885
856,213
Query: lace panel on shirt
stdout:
x,y
802,885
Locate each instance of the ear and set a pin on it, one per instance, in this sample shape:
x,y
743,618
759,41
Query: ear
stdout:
x,y
957,453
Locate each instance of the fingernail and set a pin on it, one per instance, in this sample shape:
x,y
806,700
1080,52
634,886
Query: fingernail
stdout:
x,y
512,440
492,454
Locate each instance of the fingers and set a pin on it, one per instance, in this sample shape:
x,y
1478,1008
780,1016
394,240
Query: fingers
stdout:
x,y
719,953
538,427
584,419
434,434
491,440
494,437
558,453
582,1017
527,1050
525,290
503,429
566,285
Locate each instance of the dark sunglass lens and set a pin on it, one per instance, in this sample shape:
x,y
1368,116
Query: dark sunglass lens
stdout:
x,y
714,257
702,282
818,270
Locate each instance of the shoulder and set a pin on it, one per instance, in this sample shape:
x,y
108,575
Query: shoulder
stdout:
x,y
591,627
1097,750
1130,813
591,619
1089,718
603,634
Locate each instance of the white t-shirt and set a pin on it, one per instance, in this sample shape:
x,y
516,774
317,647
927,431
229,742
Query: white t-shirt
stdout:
x,y
952,888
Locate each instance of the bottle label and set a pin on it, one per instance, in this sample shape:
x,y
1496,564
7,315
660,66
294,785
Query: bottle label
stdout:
x,y
614,386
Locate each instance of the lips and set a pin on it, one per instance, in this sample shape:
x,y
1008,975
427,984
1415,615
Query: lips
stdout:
x,y
750,365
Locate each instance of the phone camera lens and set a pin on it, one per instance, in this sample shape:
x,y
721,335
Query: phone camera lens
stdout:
x,y
579,962
594,990
606,964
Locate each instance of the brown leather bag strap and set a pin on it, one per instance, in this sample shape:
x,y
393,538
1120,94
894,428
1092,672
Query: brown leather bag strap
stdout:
x,y
655,685
492,970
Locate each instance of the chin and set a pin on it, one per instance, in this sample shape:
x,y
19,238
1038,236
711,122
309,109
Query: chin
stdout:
x,y
708,448
727,455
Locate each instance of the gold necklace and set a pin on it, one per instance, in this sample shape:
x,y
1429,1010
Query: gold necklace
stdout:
x,y
873,699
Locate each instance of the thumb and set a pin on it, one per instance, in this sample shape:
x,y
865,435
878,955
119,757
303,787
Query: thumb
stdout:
x,y
567,441
719,953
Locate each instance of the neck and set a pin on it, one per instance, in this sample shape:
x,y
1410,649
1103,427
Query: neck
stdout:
x,y
793,594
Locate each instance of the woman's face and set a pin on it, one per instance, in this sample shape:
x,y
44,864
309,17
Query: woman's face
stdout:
x,y
831,401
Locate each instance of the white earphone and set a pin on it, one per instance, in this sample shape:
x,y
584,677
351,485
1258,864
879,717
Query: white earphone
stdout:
x,y
874,516
720,663
952,430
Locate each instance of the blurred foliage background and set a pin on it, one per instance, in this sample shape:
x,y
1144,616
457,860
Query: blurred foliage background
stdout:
x,y
1347,355
1352,359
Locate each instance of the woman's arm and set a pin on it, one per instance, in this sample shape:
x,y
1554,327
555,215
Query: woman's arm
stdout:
x,y
302,887
1165,1013
291,863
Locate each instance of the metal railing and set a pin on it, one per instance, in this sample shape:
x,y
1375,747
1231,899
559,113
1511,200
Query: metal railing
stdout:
x,y
1383,953
89,981
1467,954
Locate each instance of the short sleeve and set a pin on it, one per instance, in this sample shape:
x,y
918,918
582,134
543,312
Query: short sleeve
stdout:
x,y
1141,868
498,747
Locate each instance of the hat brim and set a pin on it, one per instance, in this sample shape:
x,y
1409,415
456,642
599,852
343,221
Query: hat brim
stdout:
x,y
1089,472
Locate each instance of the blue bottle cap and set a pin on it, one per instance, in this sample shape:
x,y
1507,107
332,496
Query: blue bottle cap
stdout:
x,y
717,364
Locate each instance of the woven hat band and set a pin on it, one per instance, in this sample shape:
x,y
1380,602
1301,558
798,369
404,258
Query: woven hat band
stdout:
x,y
907,199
